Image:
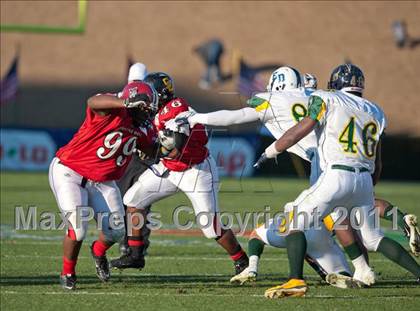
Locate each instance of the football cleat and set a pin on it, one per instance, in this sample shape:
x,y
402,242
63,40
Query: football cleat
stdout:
x,y
412,233
68,281
316,266
127,261
364,278
241,264
292,288
102,266
124,248
245,276
341,281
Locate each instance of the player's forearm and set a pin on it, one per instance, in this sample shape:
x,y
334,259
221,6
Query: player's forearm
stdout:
x,y
104,102
225,117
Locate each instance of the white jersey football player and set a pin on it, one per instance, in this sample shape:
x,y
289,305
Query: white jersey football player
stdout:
x,y
279,115
348,129
283,105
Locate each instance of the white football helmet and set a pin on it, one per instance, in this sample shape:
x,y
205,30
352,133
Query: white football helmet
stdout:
x,y
284,78
310,81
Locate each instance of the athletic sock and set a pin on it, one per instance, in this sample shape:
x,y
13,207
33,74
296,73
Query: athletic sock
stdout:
x,y
69,266
296,250
99,248
395,252
388,215
239,255
136,246
360,263
255,247
253,263
356,256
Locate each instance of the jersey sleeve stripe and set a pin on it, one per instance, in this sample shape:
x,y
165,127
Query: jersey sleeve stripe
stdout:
x,y
263,106
316,108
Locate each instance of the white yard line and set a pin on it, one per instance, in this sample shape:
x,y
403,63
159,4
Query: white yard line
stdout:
x,y
179,295
279,257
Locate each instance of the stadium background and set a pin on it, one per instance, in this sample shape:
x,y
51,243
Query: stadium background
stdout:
x,y
57,72
60,68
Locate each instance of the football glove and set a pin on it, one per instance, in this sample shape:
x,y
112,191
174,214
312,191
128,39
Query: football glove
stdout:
x,y
184,118
173,126
263,158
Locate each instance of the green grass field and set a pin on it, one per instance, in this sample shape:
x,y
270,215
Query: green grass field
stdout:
x,y
182,273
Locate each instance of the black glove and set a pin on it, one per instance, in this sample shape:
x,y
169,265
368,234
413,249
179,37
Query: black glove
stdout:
x,y
263,158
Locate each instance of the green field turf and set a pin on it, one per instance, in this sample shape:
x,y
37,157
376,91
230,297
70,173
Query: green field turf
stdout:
x,y
182,273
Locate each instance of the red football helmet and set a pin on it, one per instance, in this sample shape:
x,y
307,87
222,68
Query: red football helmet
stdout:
x,y
136,88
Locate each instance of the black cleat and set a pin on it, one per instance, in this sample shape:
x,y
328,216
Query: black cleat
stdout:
x,y
241,264
128,261
68,281
316,266
102,266
124,248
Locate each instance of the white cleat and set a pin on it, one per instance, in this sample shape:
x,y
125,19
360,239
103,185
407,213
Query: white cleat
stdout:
x,y
341,281
364,278
245,276
412,232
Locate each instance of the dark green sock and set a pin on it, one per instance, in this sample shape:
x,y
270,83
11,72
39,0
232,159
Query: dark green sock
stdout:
x,y
353,251
255,247
395,252
388,215
296,251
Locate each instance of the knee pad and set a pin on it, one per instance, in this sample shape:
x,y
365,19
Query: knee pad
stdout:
x,y
372,242
210,233
209,225
77,229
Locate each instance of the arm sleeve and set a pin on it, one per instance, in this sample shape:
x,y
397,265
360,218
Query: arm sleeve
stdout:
x,y
226,117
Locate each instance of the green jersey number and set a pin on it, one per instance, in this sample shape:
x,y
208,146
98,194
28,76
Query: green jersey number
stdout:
x,y
368,138
299,111
369,142
347,137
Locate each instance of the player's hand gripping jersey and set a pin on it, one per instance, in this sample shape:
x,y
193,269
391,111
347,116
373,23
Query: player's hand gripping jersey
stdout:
x,y
194,150
352,132
103,146
279,111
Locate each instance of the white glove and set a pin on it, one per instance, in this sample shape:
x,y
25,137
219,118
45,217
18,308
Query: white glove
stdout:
x,y
186,117
173,126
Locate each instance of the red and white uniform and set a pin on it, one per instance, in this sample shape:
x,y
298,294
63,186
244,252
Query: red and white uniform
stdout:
x,y
103,146
194,172
195,150
83,172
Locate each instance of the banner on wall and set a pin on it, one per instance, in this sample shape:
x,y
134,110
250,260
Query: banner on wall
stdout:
x,y
28,150
234,156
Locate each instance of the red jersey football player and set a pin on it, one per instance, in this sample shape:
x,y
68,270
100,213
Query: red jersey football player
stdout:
x,y
188,167
84,171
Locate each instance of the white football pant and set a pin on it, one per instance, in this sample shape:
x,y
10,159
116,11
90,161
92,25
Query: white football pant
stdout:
x,y
77,202
200,183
